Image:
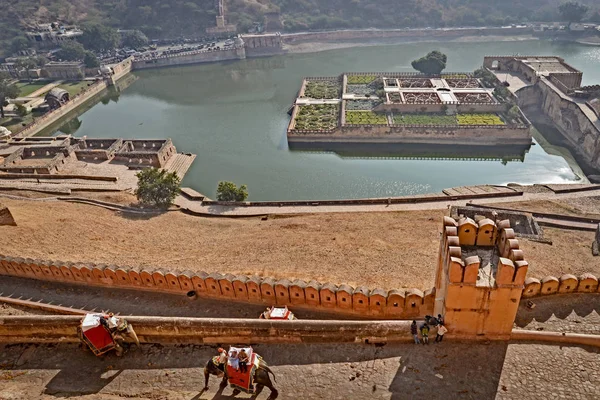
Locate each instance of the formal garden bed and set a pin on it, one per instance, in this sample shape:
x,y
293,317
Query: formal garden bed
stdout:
x,y
365,118
366,105
425,119
479,119
323,89
317,117
443,119
361,79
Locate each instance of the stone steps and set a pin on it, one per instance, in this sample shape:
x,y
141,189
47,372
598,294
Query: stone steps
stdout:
x,y
180,163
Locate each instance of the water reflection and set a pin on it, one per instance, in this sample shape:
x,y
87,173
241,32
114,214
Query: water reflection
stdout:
x,y
504,154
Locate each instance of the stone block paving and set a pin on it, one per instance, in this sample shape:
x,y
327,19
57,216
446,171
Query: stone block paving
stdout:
x,y
451,370
575,313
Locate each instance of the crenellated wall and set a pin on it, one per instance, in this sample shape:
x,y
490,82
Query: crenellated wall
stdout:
x,y
585,283
343,299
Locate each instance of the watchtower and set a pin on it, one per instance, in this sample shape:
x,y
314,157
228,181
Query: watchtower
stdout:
x,y
480,276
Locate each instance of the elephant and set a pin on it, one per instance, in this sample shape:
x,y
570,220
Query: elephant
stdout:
x,y
124,336
261,378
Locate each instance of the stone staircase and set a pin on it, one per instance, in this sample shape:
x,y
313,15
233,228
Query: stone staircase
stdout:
x,y
180,163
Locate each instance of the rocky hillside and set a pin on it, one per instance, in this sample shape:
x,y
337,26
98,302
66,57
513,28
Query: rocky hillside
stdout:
x,y
171,18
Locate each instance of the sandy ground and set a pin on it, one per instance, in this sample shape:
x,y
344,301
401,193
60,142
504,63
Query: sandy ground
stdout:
x,y
374,249
388,250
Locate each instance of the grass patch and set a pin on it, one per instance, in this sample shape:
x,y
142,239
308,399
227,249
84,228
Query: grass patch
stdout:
x,y
424,119
26,88
479,119
365,118
322,89
317,117
74,88
361,79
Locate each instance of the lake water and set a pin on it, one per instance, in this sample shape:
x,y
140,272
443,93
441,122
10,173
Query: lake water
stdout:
x,y
233,116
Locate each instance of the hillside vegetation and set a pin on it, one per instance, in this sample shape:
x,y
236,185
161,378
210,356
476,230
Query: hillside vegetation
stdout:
x,y
172,18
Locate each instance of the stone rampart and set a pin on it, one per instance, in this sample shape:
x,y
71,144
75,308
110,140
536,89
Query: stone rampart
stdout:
x,y
53,116
586,283
192,57
568,116
435,134
343,299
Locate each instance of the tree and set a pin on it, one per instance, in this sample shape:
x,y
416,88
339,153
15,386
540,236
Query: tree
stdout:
x,y
432,63
18,44
90,60
98,37
228,191
572,11
7,91
157,187
135,39
71,51
27,64
21,110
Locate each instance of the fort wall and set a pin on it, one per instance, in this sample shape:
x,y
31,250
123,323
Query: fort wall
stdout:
x,y
192,57
568,116
343,299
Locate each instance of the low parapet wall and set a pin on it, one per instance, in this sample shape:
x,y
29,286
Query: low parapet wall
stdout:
x,y
586,283
39,329
343,299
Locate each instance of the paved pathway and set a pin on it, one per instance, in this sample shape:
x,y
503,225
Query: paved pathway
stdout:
x,y
198,207
351,371
45,89
133,302
575,313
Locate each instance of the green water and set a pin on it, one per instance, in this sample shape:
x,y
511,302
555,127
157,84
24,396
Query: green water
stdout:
x,y
233,116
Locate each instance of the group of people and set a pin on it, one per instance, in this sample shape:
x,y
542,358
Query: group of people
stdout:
x,y
425,327
237,360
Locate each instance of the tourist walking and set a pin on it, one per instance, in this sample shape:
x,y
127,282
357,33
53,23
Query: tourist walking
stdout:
x,y
440,333
425,334
414,331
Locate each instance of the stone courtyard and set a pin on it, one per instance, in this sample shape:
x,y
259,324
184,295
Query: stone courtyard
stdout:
x,y
404,371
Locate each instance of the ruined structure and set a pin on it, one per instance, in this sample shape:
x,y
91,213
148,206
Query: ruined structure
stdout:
x,y
547,85
387,109
480,277
39,156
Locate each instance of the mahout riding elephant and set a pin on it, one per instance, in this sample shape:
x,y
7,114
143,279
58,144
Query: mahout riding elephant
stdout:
x,y
261,378
124,336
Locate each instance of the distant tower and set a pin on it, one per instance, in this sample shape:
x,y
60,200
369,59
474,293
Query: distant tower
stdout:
x,y
222,27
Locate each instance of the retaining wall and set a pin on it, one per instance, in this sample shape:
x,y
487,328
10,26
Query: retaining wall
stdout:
x,y
585,283
28,329
343,299
193,57
53,116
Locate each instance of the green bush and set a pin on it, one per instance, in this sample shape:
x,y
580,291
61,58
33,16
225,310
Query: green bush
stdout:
x,y
228,191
